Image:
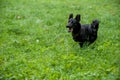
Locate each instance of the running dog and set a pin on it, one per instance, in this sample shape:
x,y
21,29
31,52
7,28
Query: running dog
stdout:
x,y
82,33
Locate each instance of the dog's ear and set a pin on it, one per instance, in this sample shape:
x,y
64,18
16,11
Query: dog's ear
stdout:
x,y
71,16
78,17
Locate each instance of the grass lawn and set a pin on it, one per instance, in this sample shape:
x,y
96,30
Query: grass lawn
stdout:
x,y
35,44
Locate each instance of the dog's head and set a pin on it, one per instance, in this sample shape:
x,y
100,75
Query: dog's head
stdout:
x,y
95,25
73,22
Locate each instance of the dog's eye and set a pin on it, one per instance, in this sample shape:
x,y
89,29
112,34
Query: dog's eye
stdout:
x,y
70,21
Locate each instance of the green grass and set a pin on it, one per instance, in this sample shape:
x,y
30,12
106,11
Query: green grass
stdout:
x,y
35,44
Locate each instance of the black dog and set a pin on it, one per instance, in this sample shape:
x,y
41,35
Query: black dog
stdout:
x,y
82,33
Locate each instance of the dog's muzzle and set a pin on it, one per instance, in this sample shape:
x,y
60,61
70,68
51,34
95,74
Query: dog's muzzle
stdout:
x,y
70,29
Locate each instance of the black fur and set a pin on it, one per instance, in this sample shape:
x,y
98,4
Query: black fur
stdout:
x,y
82,33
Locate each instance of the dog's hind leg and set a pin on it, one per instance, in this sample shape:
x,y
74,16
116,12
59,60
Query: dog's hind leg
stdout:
x,y
92,39
81,44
